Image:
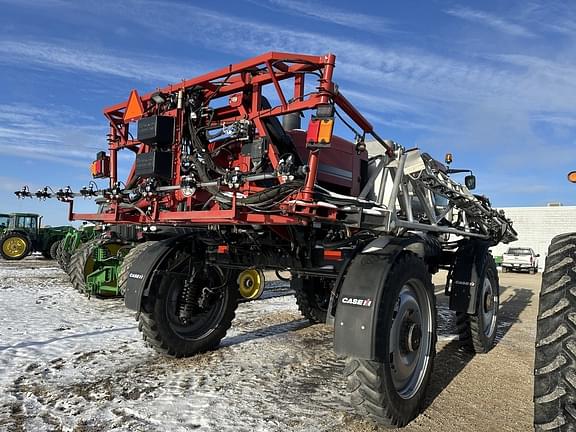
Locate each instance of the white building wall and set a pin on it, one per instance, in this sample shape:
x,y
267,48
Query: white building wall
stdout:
x,y
536,226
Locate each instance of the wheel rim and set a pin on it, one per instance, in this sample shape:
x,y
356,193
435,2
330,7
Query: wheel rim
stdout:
x,y
489,307
14,247
203,321
251,284
410,338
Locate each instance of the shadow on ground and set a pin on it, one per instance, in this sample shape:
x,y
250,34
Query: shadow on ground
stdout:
x,y
452,359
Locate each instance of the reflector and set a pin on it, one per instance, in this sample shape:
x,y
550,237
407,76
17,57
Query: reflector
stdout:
x,y
134,109
572,176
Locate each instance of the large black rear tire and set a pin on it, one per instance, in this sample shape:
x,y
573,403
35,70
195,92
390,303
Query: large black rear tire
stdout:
x,y
312,297
478,332
391,391
209,301
555,357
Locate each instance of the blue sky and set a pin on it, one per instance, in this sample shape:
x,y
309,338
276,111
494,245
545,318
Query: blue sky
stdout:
x,y
492,82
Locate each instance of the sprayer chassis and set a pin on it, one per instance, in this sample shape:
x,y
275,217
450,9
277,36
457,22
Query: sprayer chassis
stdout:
x,y
360,234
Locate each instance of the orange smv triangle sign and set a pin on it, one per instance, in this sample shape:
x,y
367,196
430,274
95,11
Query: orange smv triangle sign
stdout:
x,y
134,109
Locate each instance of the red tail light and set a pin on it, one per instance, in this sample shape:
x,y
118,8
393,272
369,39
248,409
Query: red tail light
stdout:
x,y
100,168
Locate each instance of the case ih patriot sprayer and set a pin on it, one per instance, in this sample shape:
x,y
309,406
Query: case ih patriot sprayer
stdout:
x,y
360,234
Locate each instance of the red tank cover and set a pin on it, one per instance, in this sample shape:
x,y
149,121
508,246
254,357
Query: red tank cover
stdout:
x,y
340,169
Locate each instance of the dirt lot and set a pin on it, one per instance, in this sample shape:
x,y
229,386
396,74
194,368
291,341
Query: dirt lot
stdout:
x,y
68,363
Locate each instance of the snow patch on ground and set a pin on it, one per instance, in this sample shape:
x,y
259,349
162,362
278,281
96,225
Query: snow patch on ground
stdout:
x,y
69,363
72,363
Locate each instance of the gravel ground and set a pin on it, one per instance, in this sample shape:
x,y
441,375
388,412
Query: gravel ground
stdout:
x,y
68,363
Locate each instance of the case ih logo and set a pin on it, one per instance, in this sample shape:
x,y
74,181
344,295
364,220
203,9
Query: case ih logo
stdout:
x,y
136,276
465,283
357,301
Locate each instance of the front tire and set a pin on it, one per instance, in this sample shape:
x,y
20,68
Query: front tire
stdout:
x,y
555,357
391,390
186,317
478,332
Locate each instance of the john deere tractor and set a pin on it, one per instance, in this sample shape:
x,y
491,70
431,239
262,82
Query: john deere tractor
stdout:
x,y
21,234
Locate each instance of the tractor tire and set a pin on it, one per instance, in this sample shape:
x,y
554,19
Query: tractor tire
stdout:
x,y
46,252
312,297
54,249
63,257
129,259
81,263
14,246
391,391
167,332
555,357
76,267
478,332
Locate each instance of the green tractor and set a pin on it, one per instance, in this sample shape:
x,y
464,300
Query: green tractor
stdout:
x,y
22,234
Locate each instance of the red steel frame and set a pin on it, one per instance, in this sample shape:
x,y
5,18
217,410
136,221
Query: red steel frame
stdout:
x,y
242,83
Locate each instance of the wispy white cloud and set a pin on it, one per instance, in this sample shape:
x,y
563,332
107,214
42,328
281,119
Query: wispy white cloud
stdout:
x,y
401,70
422,80
328,13
430,81
59,55
28,132
556,119
556,16
12,184
495,22
405,71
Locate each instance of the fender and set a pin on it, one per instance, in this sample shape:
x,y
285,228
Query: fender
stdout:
x,y
355,325
467,275
17,231
142,271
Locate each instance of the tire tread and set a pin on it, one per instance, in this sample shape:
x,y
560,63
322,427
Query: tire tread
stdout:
x,y
555,345
366,382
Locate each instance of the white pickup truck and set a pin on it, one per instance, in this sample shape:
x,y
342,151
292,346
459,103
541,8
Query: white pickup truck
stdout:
x,y
518,258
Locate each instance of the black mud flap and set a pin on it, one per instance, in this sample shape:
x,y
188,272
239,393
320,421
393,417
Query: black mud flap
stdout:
x,y
355,324
142,271
467,275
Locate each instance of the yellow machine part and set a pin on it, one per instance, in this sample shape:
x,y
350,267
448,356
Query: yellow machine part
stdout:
x,y
251,283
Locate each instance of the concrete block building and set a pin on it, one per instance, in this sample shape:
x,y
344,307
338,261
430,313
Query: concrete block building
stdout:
x,y
537,226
